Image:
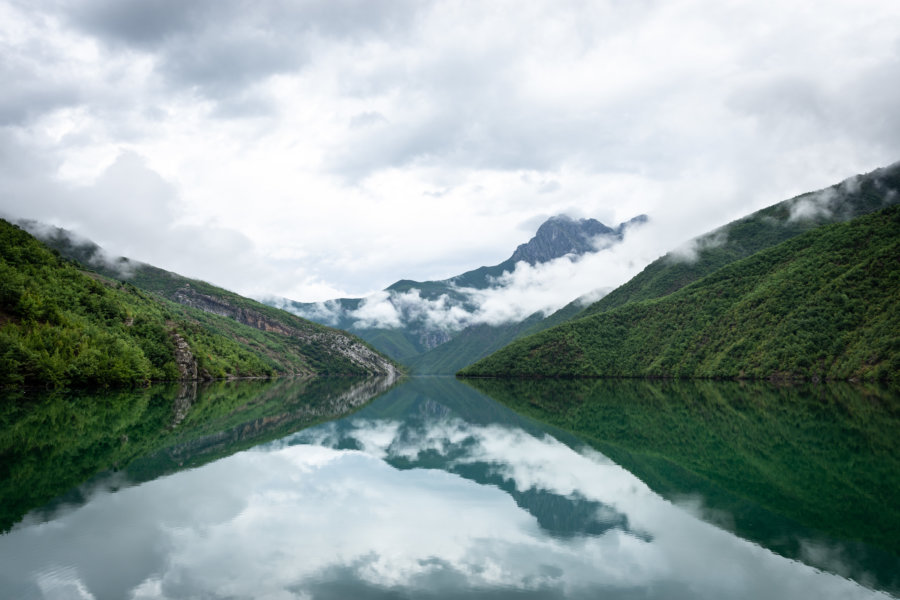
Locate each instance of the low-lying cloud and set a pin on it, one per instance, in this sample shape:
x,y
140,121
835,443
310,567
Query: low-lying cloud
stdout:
x,y
690,250
514,296
87,251
826,203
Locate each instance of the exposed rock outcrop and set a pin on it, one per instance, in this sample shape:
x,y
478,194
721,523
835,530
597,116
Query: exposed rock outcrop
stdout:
x,y
184,358
333,340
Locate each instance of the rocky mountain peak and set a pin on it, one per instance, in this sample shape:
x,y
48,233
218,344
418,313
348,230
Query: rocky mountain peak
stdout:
x,y
561,235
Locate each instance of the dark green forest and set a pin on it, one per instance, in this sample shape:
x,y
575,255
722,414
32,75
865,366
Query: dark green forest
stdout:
x,y
61,325
822,305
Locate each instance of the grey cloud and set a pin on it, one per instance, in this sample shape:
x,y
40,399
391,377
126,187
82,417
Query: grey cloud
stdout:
x,y
218,64
472,114
37,81
129,210
221,47
784,99
367,119
481,137
30,99
140,24
873,106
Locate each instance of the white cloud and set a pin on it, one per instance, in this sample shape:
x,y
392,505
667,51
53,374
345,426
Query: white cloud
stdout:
x,y
374,141
690,250
377,311
544,287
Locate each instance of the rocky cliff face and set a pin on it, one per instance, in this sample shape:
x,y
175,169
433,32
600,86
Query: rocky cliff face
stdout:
x,y
563,235
432,338
559,236
219,306
335,341
184,358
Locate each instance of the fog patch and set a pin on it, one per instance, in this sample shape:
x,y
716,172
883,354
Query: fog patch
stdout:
x,y
690,251
80,248
377,312
825,204
327,313
515,295
818,205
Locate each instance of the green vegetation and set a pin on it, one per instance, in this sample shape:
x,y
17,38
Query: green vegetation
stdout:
x,y
821,305
824,455
740,239
763,229
52,441
61,326
472,343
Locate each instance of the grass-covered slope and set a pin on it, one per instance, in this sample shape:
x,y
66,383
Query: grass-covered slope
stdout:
x,y
824,304
61,326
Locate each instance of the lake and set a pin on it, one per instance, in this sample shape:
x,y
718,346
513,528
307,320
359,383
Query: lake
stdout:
x,y
437,488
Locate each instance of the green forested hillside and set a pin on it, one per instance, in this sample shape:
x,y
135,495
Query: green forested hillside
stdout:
x,y
763,229
472,343
60,326
824,304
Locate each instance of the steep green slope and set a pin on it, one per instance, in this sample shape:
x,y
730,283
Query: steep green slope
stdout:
x,y
60,326
763,229
824,304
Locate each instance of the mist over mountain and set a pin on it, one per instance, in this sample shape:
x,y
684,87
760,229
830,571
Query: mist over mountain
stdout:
x,y
806,288
410,318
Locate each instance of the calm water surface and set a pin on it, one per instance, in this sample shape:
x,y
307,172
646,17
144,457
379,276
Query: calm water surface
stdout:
x,y
437,490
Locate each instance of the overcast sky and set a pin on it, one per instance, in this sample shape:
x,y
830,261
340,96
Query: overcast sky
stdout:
x,y
316,149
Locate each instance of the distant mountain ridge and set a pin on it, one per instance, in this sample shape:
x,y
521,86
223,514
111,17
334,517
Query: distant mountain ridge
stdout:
x,y
414,333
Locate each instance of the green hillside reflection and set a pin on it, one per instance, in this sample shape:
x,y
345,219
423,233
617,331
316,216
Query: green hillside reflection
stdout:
x,y
778,465
52,442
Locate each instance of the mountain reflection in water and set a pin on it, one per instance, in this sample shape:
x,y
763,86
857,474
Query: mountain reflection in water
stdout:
x,y
432,490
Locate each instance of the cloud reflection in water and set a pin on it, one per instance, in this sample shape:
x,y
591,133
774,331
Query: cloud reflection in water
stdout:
x,y
431,510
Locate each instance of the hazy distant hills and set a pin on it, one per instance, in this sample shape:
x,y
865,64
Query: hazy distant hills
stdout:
x,y
807,288
434,329
71,316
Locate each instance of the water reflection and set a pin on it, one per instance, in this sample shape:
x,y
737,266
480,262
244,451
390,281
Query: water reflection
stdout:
x,y
792,467
50,442
432,490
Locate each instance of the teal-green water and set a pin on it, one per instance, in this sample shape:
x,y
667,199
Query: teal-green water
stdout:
x,y
434,488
